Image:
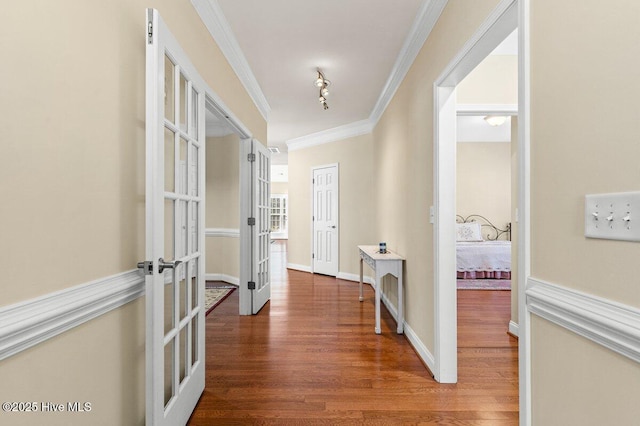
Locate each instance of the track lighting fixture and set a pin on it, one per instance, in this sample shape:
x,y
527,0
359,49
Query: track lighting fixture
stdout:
x,y
322,83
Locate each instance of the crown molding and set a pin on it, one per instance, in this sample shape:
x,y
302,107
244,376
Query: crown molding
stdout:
x,y
215,21
422,26
350,130
425,20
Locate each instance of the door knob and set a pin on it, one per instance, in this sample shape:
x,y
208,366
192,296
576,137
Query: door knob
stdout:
x,y
162,265
333,226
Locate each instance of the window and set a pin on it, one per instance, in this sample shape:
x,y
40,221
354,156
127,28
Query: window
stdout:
x,y
279,216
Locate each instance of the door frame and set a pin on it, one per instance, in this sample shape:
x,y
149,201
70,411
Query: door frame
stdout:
x,y
507,16
313,238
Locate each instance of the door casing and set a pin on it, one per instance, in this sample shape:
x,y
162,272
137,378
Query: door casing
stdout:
x,y
507,16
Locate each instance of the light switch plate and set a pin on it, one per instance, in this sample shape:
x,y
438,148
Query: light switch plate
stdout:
x,y
613,216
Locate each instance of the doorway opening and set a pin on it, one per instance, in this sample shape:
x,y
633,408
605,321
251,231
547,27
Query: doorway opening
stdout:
x,y
505,18
231,187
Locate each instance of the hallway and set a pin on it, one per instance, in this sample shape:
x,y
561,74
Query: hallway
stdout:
x,y
311,357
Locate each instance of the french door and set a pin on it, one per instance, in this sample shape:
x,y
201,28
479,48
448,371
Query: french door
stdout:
x,y
175,143
325,220
261,232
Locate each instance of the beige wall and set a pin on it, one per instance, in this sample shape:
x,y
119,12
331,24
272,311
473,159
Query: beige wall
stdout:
x,y
484,181
356,213
223,204
280,188
403,159
493,81
584,140
72,177
578,382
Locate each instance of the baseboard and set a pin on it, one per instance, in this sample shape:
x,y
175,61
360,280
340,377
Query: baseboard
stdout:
x,y
513,329
297,267
355,277
422,351
603,321
28,323
222,277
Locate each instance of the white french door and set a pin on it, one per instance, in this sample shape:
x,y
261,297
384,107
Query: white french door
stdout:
x,y
325,220
175,143
261,238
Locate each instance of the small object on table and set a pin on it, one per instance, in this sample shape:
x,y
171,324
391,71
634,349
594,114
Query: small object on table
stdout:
x,y
383,264
383,248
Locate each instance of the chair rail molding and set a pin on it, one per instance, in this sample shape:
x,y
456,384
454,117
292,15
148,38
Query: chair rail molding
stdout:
x,y
608,323
222,232
33,321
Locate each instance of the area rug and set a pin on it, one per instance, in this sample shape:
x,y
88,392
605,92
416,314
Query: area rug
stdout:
x,y
213,296
484,284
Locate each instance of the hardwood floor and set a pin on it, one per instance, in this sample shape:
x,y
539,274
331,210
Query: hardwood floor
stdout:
x,y
311,357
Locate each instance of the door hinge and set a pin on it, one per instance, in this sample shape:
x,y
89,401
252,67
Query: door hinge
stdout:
x,y
313,255
313,180
251,285
150,27
146,266
251,157
251,221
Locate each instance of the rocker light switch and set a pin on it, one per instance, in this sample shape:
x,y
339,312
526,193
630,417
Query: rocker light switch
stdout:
x,y
612,216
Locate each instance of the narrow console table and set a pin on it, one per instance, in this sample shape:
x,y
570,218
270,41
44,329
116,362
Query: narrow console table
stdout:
x,y
383,264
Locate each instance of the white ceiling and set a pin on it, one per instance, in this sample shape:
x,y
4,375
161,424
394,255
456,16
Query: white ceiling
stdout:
x,y
355,43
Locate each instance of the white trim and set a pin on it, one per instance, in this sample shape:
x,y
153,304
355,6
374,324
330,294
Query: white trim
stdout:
x,y
355,277
222,277
297,267
486,109
222,232
513,328
28,323
350,130
420,30
501,22
215,21
425,20
420,348
610,324
524,205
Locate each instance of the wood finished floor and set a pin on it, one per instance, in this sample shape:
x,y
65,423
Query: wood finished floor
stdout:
x,y
311,357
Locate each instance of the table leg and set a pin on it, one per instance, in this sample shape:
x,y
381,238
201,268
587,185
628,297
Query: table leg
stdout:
x,y
400,301
361,277
378,285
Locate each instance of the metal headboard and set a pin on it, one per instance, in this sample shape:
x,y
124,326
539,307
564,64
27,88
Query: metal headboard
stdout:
x,y
494,233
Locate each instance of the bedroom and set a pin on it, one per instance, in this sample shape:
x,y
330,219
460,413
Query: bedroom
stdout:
x,y
486,180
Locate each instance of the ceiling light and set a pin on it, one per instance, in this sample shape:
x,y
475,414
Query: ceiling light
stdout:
x,y
495,120
322,84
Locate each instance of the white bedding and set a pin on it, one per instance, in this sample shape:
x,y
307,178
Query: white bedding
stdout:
x,y
483,256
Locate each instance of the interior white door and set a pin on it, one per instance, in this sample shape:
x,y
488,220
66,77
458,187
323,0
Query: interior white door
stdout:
x,y
325,220
175,136
261,238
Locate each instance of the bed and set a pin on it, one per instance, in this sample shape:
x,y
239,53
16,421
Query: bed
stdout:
x,y
483,251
